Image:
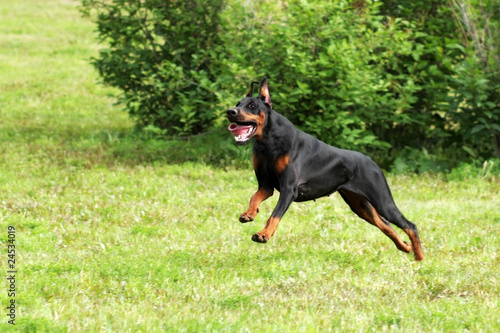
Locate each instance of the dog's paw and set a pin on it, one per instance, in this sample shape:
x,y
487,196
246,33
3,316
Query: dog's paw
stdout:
x,y
259,238
244,218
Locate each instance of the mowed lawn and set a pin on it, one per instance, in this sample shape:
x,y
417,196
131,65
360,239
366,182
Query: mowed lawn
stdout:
x,y
120,232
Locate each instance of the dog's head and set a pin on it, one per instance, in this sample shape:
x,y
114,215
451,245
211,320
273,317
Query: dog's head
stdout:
x,y
249,116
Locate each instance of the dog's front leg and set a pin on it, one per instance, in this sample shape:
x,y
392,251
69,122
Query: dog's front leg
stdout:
x,y
259,196
287,196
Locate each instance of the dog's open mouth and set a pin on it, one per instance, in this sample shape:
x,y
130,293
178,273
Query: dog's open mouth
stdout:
x,y
242,131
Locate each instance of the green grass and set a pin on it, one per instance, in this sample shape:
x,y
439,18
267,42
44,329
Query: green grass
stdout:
x,y
119,232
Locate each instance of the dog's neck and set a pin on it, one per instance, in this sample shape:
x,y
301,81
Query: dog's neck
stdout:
x,y
275,135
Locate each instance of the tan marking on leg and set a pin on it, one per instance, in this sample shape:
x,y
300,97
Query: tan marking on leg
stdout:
x,y
265,234
259,196
355,202
415,242
387,229
364,209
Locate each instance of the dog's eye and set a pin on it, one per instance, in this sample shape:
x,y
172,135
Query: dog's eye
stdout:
x,y
252,106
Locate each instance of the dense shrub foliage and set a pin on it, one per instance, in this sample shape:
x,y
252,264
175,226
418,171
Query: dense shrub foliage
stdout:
x,y
475,103
401,80
159,56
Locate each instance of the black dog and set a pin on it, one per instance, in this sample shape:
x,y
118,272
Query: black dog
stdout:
x,y
303,168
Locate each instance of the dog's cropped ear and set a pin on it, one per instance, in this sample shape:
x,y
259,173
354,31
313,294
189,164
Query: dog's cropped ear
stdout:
x,y
250,91
264,92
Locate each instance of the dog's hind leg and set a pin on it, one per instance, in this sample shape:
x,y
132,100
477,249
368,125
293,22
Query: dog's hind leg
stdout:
x,y
412,232
389,213
364,209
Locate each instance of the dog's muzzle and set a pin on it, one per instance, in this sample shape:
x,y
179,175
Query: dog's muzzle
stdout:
x,y
242,131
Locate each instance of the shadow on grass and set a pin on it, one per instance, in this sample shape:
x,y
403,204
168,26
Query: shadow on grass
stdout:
x,y
216,148
110,147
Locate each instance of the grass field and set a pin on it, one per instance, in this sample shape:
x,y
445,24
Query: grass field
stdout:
x,y
119,232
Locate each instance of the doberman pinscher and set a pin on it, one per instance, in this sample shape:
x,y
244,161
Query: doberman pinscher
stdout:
x,y
303,168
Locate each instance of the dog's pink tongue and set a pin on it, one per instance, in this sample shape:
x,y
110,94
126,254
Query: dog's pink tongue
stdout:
x,y
238,130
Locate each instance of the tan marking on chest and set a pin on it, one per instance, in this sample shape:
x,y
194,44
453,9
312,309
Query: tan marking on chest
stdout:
x,y
281,163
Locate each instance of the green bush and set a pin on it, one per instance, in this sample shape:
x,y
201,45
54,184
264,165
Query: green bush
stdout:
x,y
159,56
475,102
